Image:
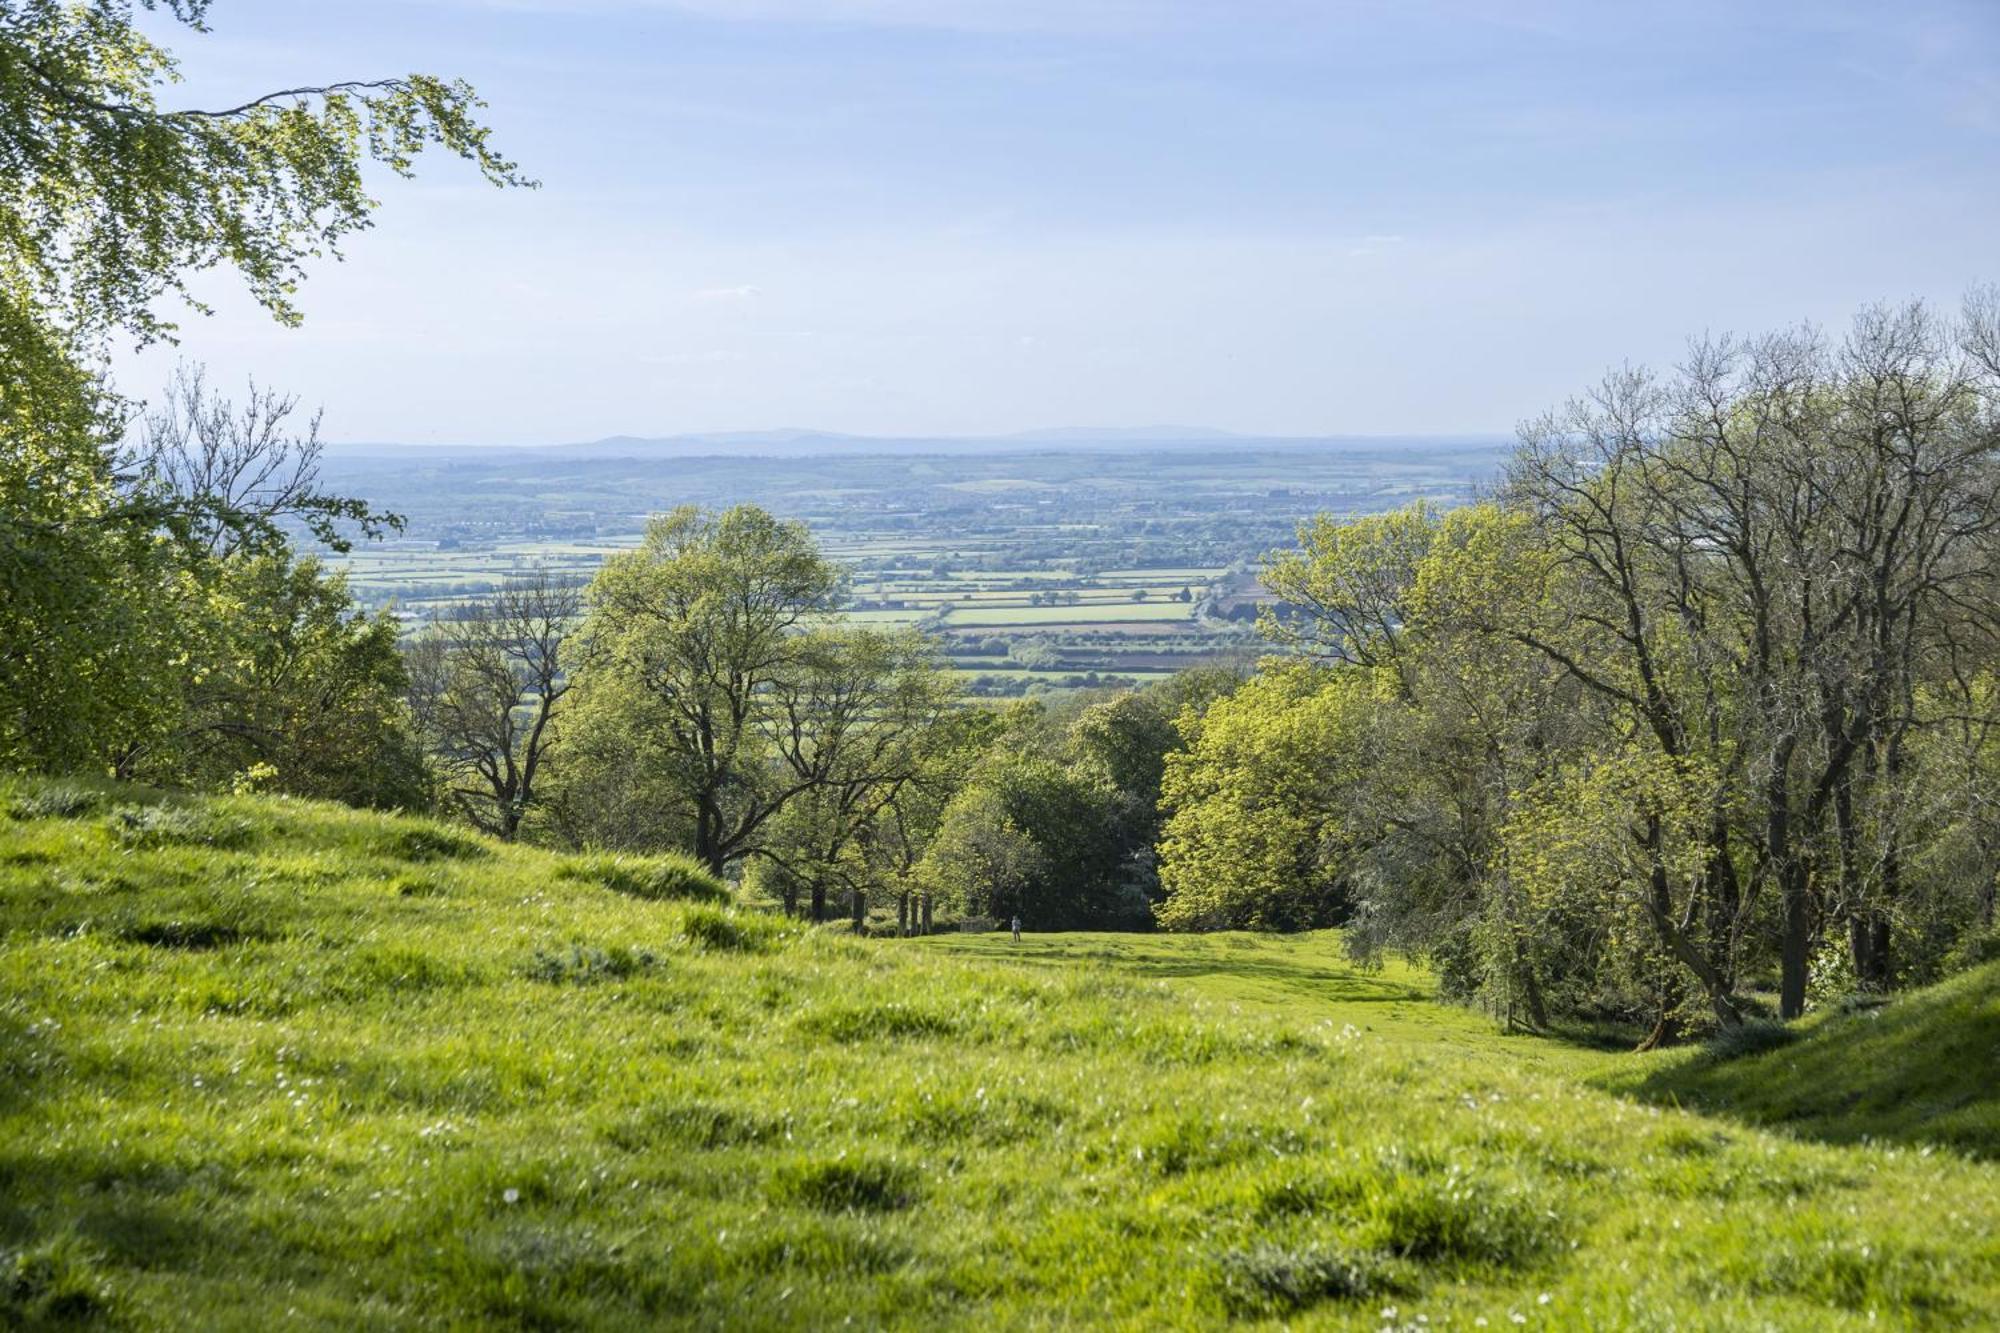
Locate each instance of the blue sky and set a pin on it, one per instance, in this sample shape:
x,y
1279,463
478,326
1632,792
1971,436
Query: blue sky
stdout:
x,y
978,216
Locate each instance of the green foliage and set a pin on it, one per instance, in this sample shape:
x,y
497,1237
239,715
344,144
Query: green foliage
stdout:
x,y
710,659
1254,834
1037,838
126,641
113,199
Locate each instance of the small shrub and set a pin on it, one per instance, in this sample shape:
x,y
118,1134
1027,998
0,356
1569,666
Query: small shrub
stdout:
x,y
583,965
656,878
1273,1280
1458,1218
1751,1037
55,803
720,930
145,826
422,844
845,1186
1975,950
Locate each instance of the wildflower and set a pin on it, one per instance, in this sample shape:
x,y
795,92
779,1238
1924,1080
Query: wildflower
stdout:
x,y
510,1196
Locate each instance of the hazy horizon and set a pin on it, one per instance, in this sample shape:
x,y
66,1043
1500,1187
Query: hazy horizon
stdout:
x,y
974,218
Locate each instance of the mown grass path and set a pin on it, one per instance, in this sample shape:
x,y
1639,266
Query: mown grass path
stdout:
x,y
274,1064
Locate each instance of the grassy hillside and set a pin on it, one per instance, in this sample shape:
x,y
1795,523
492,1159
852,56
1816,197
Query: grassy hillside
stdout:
x,y
266,1061
1925,1069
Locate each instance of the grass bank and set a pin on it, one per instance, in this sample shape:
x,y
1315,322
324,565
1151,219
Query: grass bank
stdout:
x,y
266,1061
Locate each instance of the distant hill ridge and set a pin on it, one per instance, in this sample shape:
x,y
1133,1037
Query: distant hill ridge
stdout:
x,y
793,442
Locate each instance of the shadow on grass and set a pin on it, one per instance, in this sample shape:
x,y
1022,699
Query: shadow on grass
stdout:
x,y
1924,1070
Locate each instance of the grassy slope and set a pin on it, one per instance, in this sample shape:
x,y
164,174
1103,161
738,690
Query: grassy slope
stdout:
x,y
1925,1069
265,1059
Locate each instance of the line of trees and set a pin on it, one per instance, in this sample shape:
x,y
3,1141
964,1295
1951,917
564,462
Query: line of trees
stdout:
x,y
1702,699
703,694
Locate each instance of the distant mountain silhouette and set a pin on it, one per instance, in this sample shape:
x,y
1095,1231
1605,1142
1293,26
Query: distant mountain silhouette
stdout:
x,y
796,442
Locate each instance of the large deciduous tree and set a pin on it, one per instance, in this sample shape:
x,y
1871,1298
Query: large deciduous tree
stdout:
x,y
714,650
109,200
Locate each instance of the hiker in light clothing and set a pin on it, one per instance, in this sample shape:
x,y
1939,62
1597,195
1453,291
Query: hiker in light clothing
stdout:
x,y
1017,928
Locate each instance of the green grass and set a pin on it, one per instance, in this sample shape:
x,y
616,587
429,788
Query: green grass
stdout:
x,y
267,1062
1924,1070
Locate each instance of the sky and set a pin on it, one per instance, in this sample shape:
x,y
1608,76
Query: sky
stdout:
x,y
973,217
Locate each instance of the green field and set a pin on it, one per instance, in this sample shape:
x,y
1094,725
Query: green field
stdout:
x,y
269,1062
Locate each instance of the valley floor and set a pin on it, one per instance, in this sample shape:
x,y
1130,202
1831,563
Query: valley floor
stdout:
x,y
268,1063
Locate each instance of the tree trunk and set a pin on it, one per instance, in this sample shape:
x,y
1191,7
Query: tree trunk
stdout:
x,y
819,902
903,914
1666,1028
860,908
1868,942
1659,907
927,914
1795,949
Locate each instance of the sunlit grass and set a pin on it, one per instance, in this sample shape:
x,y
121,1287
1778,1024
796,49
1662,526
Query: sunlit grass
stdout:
x,y
267,1062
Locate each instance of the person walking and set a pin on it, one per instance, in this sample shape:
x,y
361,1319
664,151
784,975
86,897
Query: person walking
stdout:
x,y
1017,927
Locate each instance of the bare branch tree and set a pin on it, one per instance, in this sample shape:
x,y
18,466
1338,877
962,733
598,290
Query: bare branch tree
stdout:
x,y
228,476
486,685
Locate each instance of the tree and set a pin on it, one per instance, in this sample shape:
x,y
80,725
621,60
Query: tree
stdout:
x,y
866,707
1255,804
1767,556
981,861
230,477
715,649
291,682
1038,837
107,202
112,199
485,687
